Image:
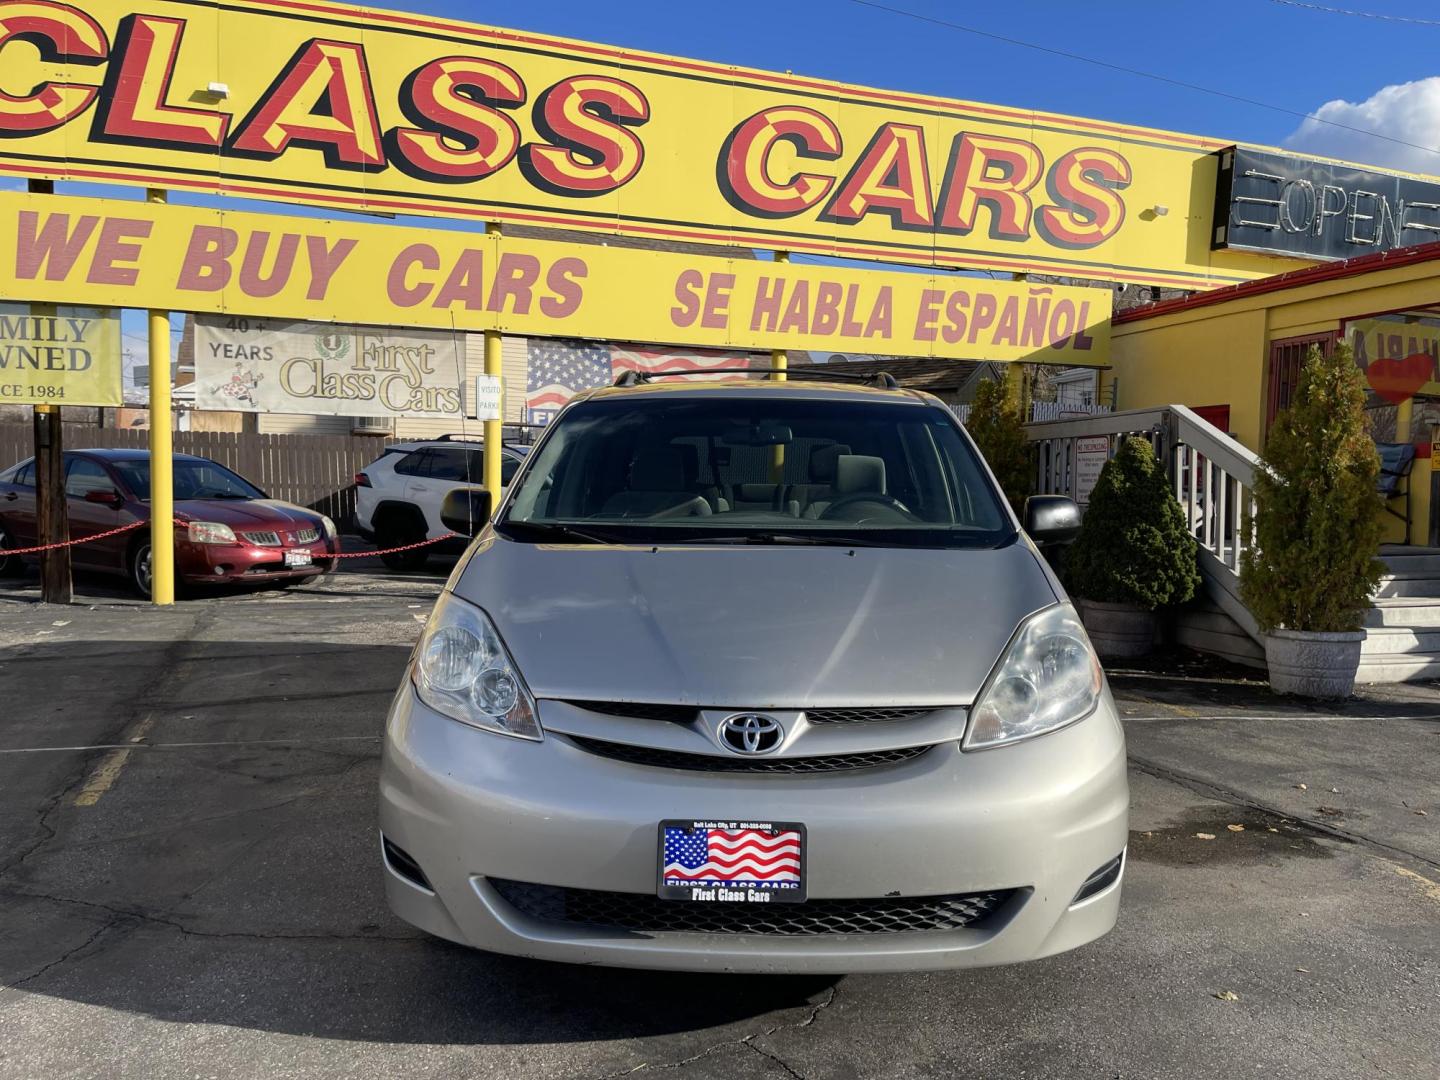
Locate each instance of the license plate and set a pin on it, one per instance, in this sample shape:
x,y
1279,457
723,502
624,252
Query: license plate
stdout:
x,y
298,558
732,862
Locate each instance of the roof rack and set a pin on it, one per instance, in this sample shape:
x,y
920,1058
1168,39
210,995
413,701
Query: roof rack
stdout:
x,y
882,379
512,426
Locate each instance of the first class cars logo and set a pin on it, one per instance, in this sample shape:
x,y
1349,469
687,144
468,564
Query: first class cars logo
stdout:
x,y
751,733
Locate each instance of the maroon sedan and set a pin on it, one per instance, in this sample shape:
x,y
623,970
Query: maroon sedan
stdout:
x,y
230,533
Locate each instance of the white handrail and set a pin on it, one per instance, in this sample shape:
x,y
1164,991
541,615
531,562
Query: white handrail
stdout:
x,y
1212,475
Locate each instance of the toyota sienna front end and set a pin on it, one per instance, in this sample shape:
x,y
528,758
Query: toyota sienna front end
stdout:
x,y
756,677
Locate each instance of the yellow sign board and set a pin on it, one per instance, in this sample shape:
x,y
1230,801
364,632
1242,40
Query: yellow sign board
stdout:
x,y
143,255
59,355
364,109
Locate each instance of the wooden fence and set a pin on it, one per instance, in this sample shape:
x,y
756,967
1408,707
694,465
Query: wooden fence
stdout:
x,y
317,471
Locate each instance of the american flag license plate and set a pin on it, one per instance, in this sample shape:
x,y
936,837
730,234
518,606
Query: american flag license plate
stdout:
x,y
732,862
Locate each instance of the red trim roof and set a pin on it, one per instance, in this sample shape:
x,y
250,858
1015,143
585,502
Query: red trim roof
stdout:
x,y
1361,264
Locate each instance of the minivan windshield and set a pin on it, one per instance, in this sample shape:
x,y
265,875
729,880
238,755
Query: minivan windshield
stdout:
x,y
770,468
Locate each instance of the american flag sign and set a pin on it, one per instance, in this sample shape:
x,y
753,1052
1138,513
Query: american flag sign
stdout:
x,y
746,857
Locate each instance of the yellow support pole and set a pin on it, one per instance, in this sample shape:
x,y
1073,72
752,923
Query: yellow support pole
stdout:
x,y
494,366
162,490
779,362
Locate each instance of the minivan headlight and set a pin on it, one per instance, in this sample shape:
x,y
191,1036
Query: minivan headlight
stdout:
x,y
1048,677
463,670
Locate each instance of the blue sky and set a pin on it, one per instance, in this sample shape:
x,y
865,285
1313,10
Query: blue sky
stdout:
x,y
1363,72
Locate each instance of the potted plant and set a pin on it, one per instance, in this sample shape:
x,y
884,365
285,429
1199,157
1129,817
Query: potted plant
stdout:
x,y
1133,554
998,429
1311,566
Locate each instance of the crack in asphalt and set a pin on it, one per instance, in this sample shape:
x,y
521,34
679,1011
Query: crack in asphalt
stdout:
x,y
1215,791
100,931
163,671
120,915
746,1042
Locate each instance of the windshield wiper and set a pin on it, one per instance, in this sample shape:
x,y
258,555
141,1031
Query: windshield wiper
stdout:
x,y
761,537
540,531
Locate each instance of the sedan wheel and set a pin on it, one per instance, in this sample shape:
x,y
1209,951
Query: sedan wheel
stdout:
x,y
140,568
10,565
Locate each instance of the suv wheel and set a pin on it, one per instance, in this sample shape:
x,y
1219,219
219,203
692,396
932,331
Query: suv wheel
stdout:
x,y
395,530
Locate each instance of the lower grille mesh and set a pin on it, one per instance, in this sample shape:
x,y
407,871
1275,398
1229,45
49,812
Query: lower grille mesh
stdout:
x,y
674,759
643,912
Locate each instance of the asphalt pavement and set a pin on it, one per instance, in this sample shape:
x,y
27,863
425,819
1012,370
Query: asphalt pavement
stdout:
x,y
190,886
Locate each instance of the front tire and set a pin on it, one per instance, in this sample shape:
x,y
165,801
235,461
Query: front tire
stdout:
x,y
10,565
140,565
397,532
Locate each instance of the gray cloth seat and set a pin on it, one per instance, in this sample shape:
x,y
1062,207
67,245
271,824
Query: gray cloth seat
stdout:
x,y
855,474
662,485
822,477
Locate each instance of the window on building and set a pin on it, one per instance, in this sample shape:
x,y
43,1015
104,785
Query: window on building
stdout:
x,y
1287,356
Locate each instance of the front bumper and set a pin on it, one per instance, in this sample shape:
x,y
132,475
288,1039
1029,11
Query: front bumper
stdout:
x,y
228,564
1038,817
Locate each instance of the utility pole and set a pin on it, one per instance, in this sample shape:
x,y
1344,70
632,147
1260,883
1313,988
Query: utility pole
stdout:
x,y
52,524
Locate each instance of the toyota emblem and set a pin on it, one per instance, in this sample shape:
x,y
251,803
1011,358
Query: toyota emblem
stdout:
x,y
751,733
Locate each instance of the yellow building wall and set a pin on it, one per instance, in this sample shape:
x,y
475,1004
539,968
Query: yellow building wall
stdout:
x,y
1196,362
1217,354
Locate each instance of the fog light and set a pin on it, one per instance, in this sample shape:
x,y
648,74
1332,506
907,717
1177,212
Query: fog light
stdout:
x,y
221,571
1101,879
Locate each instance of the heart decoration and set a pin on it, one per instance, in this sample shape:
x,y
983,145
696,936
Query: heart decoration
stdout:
x,y
1398,380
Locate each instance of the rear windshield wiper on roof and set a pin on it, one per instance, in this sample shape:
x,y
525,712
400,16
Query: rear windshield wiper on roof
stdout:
x,y
539,532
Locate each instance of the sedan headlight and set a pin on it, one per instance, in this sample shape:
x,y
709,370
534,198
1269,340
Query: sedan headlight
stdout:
x,y
1048,677
211,532
463,670
329,526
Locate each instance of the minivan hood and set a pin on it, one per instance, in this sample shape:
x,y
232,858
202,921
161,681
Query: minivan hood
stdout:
x,y
754,626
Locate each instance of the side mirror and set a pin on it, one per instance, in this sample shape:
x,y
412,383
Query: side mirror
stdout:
x,y
1051,519
104,497
465,511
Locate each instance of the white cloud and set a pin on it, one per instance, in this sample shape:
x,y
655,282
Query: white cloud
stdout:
x,y
1406,111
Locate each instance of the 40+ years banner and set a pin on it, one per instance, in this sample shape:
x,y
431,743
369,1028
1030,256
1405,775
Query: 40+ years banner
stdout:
x,y
364,109
140,255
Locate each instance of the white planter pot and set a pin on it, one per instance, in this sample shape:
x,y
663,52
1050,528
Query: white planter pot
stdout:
x,y
1119,631
1313,664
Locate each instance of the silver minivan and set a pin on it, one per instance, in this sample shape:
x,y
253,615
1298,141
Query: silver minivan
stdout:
x,y
756,676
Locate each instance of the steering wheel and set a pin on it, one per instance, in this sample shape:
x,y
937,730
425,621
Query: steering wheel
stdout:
x,y
873,497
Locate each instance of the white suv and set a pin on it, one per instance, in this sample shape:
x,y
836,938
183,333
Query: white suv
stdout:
x,y
398,495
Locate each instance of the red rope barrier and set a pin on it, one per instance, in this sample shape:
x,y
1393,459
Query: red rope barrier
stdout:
x,y
7,552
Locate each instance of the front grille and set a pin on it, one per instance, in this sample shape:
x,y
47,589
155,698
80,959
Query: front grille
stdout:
x,y
684,714
307,536
675,759
262,539
644,912
639,710
863,716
